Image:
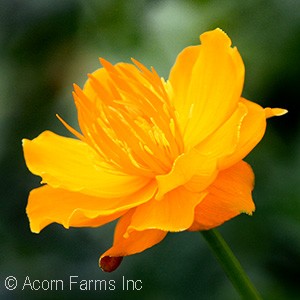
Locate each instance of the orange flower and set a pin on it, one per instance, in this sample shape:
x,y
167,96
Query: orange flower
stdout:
x,y
163,156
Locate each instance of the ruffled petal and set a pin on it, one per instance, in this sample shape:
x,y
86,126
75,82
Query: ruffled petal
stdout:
x,y
213,80
47,205
198,168
135,242
224,141
175,212
185,167
252,130
73,165
227,197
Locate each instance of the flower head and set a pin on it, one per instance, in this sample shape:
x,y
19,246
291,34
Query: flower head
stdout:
x,y
160,156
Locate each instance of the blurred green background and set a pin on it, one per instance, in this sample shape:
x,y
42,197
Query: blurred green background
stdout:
x,y
45,46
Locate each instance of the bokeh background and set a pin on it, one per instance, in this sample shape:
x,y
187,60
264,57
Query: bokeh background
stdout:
x,y
46,46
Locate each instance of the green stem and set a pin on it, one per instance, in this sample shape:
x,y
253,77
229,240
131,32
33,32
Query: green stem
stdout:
x,y
230,265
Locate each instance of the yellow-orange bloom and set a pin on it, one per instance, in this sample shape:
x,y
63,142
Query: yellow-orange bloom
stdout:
x,y
163,156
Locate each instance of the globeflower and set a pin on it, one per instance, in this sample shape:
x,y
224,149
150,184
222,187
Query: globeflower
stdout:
x,y
159,155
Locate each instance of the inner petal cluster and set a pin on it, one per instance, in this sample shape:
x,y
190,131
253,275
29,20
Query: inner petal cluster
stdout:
x,y
126,115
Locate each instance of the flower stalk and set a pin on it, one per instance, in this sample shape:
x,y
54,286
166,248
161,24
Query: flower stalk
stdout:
x,y
230,265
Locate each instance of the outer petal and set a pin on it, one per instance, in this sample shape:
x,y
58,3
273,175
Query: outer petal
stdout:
x,y
227,197
180,79
73,165
224,141
175,212
135,242
212,87
198,168
47,205
252,130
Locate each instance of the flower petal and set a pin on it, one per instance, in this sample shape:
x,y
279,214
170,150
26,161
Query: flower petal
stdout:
x,y
175,212
211,89
73,165
274,112
185,167
223,141
217,147
47,205
198,168
252,130
180,78
135,242
227,197
125,113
